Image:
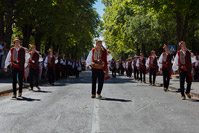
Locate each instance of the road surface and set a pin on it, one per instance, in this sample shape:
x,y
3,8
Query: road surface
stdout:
x,y
126,107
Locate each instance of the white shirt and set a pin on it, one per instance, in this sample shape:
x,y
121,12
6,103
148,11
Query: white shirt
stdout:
x,y
160,61
123,64
175,66
147,62
90,55
46,61
117,65
8,58
193,59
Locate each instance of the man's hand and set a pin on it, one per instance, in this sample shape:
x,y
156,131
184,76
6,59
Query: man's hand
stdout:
x,y
87,68
5,69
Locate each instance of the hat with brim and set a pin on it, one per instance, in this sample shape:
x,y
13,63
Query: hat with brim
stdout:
x,y
16,40
180,43
50,50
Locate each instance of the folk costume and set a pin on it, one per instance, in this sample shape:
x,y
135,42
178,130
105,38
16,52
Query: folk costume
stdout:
x,y
151,63
16,57
34,69
165,63
97,59
142,68
183,62
135,69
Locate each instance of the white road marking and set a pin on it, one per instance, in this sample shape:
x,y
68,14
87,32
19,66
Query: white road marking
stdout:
x,y
95,122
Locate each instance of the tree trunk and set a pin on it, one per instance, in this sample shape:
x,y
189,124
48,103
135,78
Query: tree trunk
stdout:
x,y
179,22
1,26
27,30
9,22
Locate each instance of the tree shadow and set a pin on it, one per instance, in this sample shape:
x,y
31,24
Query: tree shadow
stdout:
x,y
27,99
115,99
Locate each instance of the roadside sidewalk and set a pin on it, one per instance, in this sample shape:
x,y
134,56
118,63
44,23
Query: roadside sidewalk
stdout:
x,y
6,85
175,84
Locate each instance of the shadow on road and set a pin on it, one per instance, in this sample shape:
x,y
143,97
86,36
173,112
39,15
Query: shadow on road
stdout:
x,y
27,99
41,91
115,99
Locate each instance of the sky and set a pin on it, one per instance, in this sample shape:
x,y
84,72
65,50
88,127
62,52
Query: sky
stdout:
x,y
99,6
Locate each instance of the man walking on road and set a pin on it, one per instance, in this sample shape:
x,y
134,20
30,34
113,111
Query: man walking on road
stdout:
x,y
34,67
97,59
182,62
151,63
142,67
165,66
16,57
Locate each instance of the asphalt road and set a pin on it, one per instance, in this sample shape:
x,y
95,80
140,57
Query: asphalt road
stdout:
x,y
126,107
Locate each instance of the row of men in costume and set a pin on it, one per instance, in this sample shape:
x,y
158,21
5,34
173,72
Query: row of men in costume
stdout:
x,y
21,59
166,64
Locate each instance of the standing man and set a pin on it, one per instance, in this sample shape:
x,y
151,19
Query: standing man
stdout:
x,y
97,58
16,57
136,72
50,65
182,62
151,63
113,65
142,67
34,67
165,66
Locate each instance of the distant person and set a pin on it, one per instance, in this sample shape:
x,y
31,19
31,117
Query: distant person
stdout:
x,y
165,66
1,52
34,67
151,63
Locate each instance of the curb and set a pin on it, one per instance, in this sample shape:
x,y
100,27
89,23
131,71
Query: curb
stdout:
x,y
25,86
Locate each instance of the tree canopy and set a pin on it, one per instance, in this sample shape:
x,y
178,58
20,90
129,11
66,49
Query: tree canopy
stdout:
x,y
134,26
66,26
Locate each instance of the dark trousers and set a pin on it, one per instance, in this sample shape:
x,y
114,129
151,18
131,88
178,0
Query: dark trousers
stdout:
x,y
51,75
122,71
114,72
33,74
152,72
143,72
136,73
20,73
184,75
129,73
97,74
76,72
166,78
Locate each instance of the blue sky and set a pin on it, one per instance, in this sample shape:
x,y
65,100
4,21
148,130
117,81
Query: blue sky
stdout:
x,y
99,7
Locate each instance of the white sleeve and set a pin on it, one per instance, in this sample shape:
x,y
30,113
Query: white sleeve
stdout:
x,y
27,57
89,59
147,63
132,65
137,63
56,61
160,61
109,57
45,62
8,59
175,66
126,65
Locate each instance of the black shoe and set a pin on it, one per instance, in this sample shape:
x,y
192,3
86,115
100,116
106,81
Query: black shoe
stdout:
x,y
93,96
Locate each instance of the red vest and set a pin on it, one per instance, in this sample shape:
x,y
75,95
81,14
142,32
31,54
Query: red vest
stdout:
x,y
17,58
35,58
184,61
102,57
142,63
129,65
50,61
166,60
152,62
